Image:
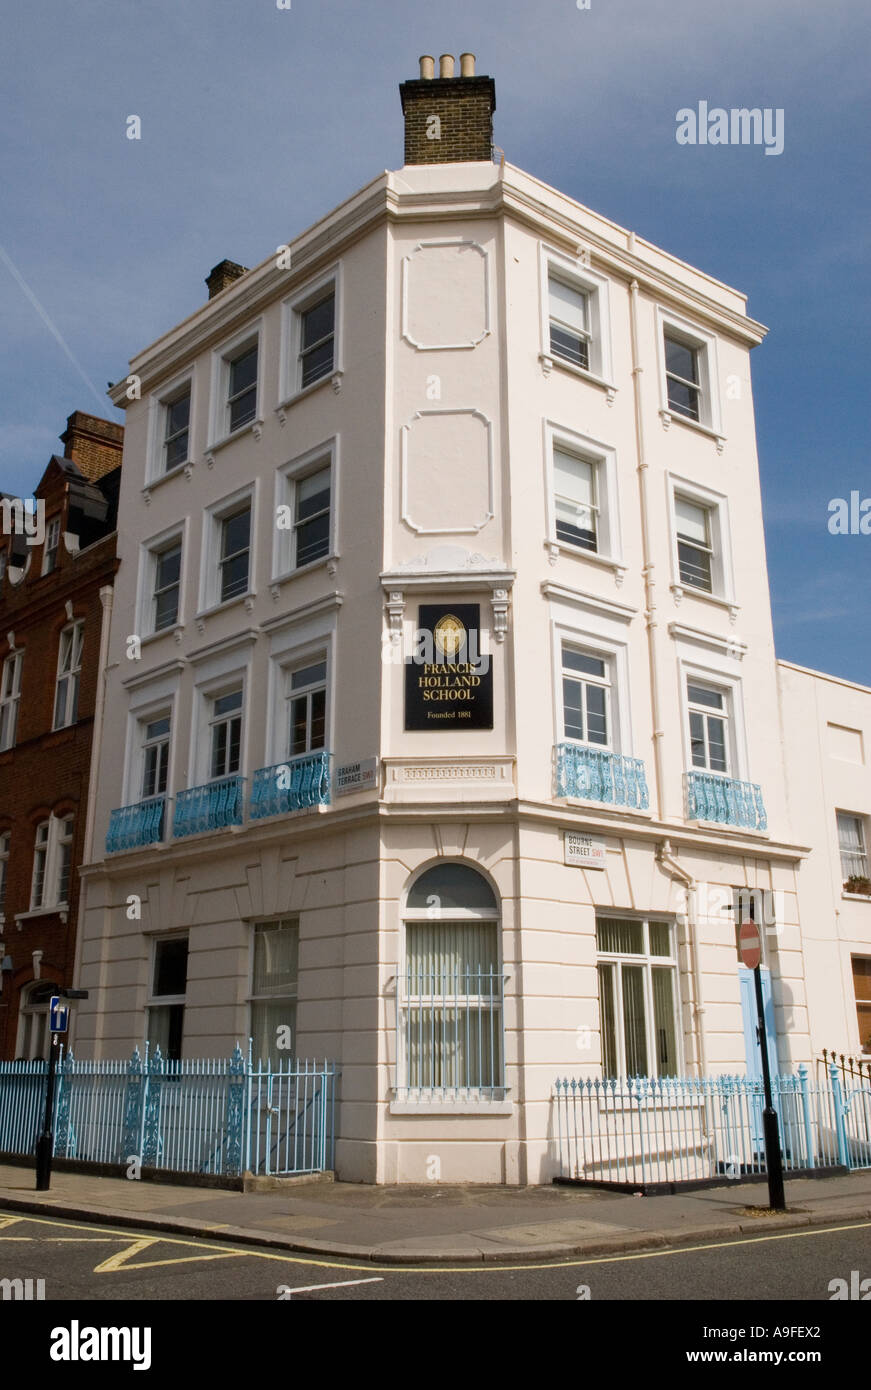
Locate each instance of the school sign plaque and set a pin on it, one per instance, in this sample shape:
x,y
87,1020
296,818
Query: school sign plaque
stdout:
x,y
448,679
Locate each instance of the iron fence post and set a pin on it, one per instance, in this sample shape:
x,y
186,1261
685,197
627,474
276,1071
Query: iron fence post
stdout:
x,y
840,1127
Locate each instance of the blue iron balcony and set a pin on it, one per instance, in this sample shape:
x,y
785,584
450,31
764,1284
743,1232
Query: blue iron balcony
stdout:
x,y
291,786
596,775
209,807
132,826
714,798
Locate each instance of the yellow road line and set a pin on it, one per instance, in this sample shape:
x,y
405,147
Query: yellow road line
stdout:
x,y
119,1260
488,1268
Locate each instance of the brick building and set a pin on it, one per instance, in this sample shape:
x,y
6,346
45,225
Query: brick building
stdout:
x,y
57,565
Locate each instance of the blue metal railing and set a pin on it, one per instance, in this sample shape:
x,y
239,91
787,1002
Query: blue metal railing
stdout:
x,y
723,799
197,1115
209,807
643,1129
594,774
291,786
140,824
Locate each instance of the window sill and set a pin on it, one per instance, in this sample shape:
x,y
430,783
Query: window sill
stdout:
x,y
550,360
451,1107
334,377
669,416
185,468
55,735
614,807
175,630
723,827
254,427
61,910
856,897
329,562
247,599
556,548
681,591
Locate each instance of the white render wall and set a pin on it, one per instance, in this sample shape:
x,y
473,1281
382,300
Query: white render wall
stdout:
x,y
827,738
440,414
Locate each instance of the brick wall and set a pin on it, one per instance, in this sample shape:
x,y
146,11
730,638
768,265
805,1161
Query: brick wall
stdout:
x,y
464,107
46,771
94,445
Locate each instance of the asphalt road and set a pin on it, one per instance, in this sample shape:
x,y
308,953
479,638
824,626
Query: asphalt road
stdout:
x,y
81,1261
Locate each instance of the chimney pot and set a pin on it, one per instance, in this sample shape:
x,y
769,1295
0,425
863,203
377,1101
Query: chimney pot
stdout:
x,y
446,65
427,68
467,65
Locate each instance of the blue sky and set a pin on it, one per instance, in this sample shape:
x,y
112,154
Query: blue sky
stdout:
x,y
255,121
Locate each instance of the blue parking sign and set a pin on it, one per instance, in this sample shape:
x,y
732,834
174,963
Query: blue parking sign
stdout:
x,y
59,1014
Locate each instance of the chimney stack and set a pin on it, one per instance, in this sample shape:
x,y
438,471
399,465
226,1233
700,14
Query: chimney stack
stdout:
x,y
222,275
93,444
449,118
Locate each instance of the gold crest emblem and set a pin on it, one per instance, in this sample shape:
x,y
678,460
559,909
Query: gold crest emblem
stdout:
x,y
449,636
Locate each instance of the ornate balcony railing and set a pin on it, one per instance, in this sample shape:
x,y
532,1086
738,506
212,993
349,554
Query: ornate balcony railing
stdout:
x,y
723,799
209,807
291,786
596,775
132,826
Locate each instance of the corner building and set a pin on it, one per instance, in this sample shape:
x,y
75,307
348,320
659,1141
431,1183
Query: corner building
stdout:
x,y
474,422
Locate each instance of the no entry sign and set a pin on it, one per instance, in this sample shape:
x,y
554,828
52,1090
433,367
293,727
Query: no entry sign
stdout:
x,y
750,944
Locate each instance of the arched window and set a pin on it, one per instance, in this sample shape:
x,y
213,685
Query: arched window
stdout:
x,y
33,1033
451,989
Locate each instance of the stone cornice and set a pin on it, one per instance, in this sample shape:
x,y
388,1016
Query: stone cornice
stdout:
x,y
389,198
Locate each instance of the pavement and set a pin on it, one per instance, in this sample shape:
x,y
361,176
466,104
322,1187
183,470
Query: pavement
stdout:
x,y
465,1224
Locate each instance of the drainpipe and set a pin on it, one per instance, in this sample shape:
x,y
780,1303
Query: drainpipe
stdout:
x,y
106,593
647,566
666,860
93,780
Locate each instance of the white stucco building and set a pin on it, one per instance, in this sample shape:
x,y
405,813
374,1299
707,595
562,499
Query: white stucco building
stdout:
x,y
466,405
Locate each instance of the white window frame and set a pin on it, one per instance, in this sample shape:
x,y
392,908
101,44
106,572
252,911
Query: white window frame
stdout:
x,y
722,573
287,478
596,288
158,403
73,676
10,696
729,716
606,683
424,1098
216,720
150,701
145,743
52,850
290,993
33,1038
222,357
49,549
210,552
289,669
295,643
149,552
647,961
219,675
615,654
705,344
862,853
292,308
165,1001
610,550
